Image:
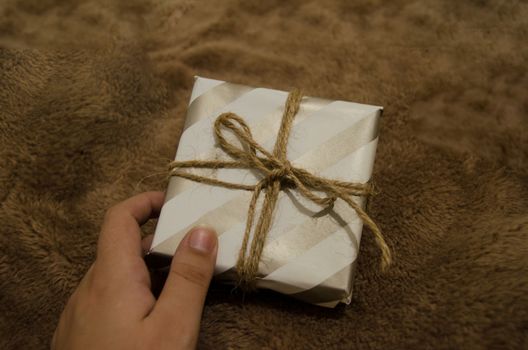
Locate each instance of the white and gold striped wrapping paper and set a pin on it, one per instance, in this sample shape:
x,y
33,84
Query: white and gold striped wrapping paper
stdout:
x,y
310,252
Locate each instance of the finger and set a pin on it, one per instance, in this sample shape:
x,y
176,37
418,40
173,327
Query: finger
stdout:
x,y
182,298
146,242
120,236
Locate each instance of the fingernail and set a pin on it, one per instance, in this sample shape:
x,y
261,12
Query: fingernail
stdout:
x,y
203,239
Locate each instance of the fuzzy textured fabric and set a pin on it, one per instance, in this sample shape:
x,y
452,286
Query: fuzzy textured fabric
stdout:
x,y
92,100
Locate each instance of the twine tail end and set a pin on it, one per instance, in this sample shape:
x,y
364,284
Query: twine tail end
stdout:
x,y
386,261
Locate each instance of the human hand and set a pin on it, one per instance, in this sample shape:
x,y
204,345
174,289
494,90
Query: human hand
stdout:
x,y
113,306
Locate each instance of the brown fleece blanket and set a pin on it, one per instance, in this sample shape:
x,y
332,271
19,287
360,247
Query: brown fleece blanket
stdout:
x,y
98,102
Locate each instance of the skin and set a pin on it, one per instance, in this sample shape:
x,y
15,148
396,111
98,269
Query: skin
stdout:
x,y
113,306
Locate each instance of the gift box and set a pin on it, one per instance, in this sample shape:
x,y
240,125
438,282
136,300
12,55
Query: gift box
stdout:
x,y
310,248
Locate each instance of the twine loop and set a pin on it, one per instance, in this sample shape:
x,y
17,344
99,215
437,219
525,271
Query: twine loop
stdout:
x,y
277,173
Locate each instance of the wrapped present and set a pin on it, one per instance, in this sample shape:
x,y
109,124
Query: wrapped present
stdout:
x,y
283,178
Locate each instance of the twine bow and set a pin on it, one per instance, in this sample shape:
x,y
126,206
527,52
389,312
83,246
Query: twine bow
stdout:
x,y
277,173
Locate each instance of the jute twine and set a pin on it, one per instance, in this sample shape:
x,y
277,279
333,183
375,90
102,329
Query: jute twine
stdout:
x,y
277,173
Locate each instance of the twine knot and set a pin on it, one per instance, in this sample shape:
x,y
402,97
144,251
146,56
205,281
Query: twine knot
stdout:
x,y
277,173
281,173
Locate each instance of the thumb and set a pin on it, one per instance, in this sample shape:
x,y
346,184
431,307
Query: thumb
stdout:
x,y
182,298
